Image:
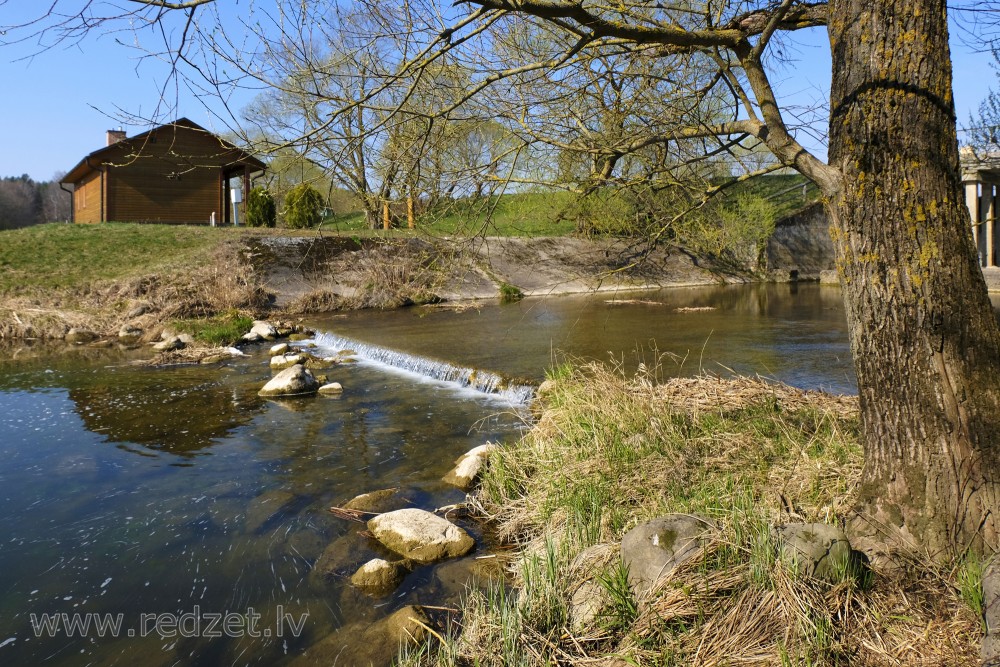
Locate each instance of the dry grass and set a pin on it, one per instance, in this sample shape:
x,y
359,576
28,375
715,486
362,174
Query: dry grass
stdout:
x,y
317,301
609,452
223,283
387,274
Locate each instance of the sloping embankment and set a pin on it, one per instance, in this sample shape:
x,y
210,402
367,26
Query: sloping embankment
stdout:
x,y
328,273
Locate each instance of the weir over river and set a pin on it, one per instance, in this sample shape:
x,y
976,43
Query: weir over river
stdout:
x,y
130,494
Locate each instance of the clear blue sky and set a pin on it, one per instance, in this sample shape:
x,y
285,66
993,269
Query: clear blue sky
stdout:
x,y
56,106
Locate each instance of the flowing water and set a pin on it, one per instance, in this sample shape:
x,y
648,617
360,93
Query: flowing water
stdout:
x,y
793,333
163,499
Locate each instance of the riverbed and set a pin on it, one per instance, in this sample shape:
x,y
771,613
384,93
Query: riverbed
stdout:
x,y
132,495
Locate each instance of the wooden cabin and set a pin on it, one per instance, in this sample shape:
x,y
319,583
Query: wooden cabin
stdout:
x,y
176,173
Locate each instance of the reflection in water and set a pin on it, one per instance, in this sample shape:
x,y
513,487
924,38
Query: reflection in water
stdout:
x,y
91,528
181,412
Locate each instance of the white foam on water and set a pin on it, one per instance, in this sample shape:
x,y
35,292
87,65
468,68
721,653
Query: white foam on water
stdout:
x,y
428,369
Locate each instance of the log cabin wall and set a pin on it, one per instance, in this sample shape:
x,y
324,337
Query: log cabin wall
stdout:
x,y
170,175
175,173
87,199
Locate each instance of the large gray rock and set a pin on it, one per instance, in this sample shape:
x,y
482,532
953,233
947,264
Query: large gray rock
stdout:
x,y
420,535
169,345
75,335
817,550
282,361
653,549
264,330
468,466
294,381
380,577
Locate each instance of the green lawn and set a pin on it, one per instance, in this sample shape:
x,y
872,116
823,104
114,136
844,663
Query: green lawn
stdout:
x,y
58,255
525,214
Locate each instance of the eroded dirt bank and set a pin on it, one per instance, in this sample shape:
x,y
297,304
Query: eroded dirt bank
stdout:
x,y
337,272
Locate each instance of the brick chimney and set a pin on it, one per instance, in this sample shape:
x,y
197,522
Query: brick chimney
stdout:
x,y
114,136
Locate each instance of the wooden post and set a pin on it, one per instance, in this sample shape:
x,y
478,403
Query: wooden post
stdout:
x,y
386,220
410,221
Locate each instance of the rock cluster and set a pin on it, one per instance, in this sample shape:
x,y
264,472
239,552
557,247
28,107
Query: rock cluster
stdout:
x,y
295,376
654,549
414,536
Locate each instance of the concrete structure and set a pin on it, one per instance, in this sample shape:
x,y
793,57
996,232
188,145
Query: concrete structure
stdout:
x,y
981,182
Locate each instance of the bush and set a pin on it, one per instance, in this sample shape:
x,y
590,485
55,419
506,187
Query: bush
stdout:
x,y
303,206
510,293
261,211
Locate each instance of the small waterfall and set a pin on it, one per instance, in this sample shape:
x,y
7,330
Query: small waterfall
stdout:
x,y
485,381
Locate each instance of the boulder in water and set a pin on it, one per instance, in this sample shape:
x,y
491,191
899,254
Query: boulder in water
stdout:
x,y
420,535
468,466
286,361
265,330
294,381
366,644
380,577
383,500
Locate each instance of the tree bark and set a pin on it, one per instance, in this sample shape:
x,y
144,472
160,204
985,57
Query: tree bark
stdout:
x,y
923,333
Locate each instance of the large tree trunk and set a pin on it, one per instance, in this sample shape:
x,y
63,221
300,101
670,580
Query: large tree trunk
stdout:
x,y
924,336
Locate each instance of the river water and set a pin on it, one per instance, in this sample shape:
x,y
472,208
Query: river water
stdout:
x,y
157,500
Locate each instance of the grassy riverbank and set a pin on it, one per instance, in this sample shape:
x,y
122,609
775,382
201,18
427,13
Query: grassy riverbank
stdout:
x,y
610,452
100,277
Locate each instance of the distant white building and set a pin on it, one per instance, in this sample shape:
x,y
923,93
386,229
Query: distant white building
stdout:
x,y
981,180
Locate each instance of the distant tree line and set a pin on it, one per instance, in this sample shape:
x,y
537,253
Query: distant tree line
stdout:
x,y
25,202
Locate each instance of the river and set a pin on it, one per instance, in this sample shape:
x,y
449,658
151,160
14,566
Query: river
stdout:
x,y
131,495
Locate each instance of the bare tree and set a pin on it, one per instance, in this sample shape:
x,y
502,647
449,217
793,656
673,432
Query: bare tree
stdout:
x,y
57,205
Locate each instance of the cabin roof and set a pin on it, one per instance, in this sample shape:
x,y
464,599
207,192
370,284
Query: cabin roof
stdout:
x,y
93,160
